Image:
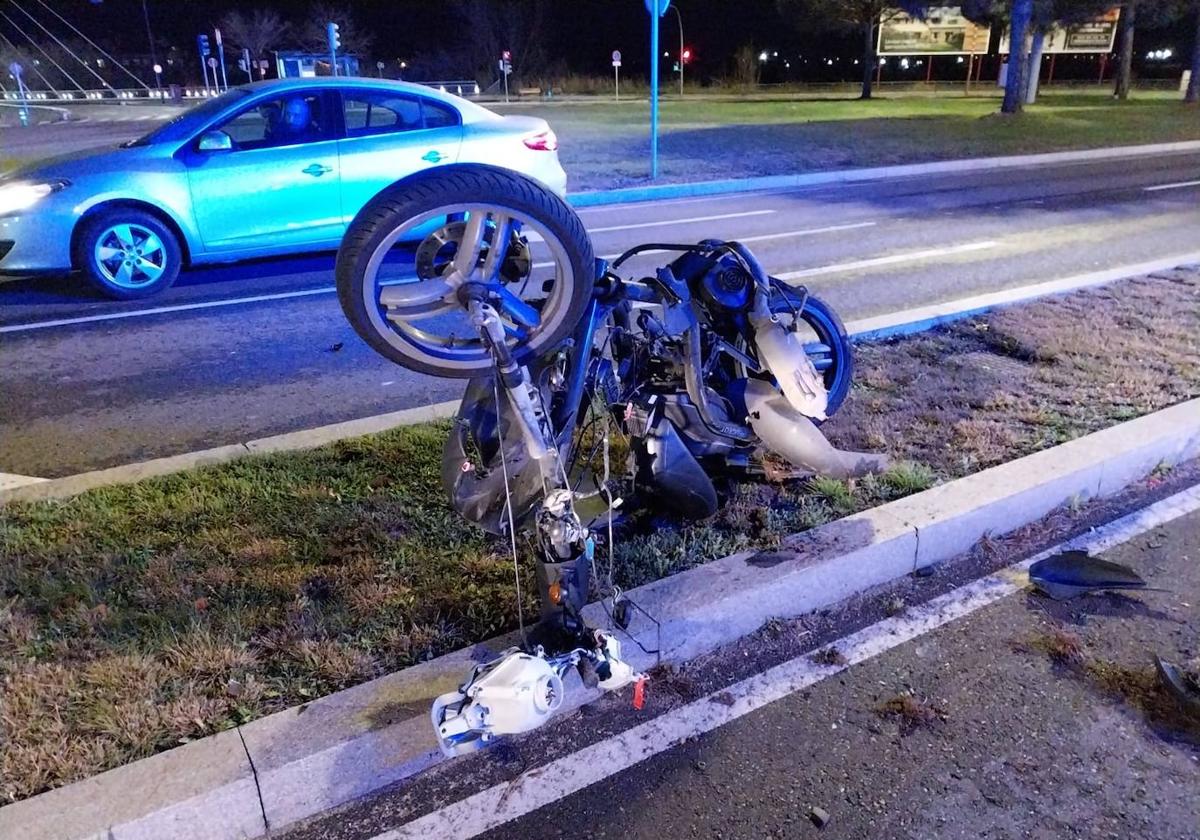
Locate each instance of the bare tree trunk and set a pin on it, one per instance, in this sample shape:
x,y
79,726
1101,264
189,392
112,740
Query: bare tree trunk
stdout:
x,y
1193,88
1033,73
869,59
1019,17
1125,58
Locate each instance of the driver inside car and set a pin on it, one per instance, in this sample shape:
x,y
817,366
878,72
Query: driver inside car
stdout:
x,y
292,124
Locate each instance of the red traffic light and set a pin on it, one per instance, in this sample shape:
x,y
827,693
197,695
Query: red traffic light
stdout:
x,y
687,55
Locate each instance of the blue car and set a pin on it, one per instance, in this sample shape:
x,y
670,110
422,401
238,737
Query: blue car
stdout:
x,y
266,169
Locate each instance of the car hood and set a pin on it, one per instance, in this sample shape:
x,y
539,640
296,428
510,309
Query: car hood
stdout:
x,y
75,164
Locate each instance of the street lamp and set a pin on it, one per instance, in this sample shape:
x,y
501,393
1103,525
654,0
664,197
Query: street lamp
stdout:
x,y
679,17
149,34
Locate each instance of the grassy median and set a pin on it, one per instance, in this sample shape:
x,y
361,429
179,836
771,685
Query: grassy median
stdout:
x,y
136,618
606,146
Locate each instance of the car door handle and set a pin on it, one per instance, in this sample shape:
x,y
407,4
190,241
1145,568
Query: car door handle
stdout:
x,y
316,170
433,156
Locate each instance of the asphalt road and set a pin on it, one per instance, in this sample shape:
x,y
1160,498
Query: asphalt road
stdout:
x,y
1015,744
248,350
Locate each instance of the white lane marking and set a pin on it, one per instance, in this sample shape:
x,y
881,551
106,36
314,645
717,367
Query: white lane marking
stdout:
x,y
544,785
158,310
693,220
908,256
8,481
763,238
1176,186
949,309
184,307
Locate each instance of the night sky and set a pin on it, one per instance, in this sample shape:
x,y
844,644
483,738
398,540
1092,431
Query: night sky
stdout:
x,y
579,35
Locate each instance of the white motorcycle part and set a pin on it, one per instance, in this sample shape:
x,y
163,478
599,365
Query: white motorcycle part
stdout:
x,y
782,353
517,693
787,432
620,674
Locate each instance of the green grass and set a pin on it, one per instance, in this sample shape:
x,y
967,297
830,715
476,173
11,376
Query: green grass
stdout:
x,y
135,618
605,145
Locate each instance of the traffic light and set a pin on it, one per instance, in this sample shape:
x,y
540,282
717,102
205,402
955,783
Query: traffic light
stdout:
x,y
687,56
335,36
202,43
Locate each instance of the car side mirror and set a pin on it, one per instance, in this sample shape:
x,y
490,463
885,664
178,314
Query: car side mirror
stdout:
x,y
215,141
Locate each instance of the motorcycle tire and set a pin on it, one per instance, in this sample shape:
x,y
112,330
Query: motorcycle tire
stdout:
x,y
462,186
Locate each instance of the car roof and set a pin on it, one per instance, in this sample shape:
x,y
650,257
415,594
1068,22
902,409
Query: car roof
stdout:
x,y
470,111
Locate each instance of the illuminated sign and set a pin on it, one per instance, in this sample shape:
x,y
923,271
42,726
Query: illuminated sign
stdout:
x,y
1092,36
943,31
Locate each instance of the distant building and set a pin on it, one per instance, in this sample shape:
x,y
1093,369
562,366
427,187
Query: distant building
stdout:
x,y
304,65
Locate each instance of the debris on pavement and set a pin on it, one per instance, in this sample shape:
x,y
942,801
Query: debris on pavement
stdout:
x,y
818,816
1071,573
1182,683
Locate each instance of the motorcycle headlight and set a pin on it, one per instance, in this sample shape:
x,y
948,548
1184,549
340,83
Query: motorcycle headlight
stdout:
x,y
21,195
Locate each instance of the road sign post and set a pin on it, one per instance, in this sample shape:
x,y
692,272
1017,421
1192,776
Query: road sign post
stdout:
x,y
205,52
656,8
505,70
221,59
616,60
334,34
17,72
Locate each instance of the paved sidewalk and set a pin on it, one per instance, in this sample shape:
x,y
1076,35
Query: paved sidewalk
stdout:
x,y
1028,747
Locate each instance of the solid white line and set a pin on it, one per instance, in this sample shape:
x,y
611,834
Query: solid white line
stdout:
x,y
543,785
952,308
1177,186
158,310
789,234
908,256
135,313
693,220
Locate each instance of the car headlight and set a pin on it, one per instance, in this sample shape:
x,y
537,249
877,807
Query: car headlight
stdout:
x,y
21,195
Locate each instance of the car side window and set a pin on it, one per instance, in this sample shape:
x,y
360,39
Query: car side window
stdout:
x,y
382,112
288,120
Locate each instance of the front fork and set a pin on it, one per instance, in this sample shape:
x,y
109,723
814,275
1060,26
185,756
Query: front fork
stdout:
x,y
521,689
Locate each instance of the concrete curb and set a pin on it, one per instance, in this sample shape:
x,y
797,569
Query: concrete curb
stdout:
x,y
659,192
892,325
305,760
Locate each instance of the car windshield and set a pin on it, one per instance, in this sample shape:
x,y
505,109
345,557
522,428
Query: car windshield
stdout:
x,y
186,124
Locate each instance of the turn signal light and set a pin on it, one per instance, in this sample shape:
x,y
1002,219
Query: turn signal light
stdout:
x,y
543,141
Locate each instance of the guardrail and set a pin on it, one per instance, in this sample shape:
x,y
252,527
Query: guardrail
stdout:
x,y
459,87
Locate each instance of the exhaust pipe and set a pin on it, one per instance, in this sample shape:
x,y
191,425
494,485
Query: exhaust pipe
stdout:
x,y
787,432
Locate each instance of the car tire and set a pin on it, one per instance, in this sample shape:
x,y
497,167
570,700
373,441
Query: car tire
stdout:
x,y
127,253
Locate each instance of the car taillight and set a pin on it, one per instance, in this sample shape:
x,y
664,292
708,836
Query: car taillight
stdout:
x,y
543,141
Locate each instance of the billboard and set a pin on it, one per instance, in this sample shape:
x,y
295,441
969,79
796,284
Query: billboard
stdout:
x,y
944,31
1092,36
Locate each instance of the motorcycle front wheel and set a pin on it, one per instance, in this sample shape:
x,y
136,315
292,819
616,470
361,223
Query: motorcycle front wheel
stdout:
x,y
411,248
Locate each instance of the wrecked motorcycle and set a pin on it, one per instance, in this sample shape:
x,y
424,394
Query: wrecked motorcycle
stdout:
x,y
704,366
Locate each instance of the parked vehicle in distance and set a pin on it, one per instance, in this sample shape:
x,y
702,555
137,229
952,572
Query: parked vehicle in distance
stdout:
x,y
265,169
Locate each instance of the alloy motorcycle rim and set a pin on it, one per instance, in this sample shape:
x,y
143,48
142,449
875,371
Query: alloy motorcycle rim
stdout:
x,y
530,305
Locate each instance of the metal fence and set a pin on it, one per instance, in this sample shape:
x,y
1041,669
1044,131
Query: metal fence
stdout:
x,y
459,87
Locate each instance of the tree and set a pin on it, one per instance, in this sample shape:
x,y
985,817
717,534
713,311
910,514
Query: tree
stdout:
x,y
862,15
259,32
745,66
1019,18
312,36
492,28
1192,95
1133,12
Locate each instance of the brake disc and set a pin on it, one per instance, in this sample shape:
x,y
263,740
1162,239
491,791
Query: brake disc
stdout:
x,y
436,253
